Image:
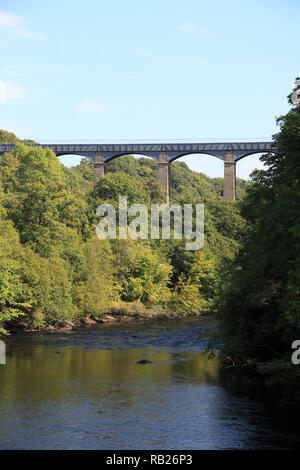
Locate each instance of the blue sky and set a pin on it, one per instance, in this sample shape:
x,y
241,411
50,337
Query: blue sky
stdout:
x,y
151,70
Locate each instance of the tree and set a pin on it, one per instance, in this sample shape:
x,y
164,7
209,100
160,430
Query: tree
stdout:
x,y
37,200
113,185
95,284
15,298
141,273
260,309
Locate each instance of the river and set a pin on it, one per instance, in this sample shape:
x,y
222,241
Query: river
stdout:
x,y
86,390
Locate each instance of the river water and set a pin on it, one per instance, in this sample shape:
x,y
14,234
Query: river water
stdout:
x,y
86,390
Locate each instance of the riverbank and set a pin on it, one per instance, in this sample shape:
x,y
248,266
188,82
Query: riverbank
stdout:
x,y
114,315
109,318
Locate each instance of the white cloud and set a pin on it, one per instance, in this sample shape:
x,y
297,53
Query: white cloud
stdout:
x,y
8,20
90,107
10,92
11,24
14,91
186,26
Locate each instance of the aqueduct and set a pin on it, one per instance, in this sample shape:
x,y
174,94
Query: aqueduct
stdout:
x,y
164,154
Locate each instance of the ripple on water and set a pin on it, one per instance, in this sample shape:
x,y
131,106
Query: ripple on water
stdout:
x,y
86,390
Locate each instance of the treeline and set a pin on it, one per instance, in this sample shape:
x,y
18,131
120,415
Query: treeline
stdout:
x,y
54,269
260,303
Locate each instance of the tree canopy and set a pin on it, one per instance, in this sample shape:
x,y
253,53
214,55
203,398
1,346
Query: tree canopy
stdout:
x,y
54,268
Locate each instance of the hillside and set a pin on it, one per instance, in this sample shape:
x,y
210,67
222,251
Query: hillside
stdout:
x,y
55,271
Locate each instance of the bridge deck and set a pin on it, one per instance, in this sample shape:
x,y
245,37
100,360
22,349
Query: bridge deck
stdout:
x,y
173,150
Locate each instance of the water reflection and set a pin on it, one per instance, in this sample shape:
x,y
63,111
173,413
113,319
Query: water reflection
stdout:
x,y
86,391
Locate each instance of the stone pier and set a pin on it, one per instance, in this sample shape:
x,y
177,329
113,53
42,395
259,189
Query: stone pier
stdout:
x,y
164,173
229,177
99,166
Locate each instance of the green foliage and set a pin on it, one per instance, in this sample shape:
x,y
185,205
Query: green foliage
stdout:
x,y
192,294
260,307
50,289
141,272
37,200
14,297
95,287
81,175
53,268
9,138
283,378
111,186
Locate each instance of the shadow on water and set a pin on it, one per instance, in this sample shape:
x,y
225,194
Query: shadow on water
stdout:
x,y
86,390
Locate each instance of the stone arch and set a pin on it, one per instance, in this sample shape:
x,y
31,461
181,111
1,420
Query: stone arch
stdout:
x,y
220,155
113,156
249,163
102,160
77,157
79,154
201,155
131,162
261,152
